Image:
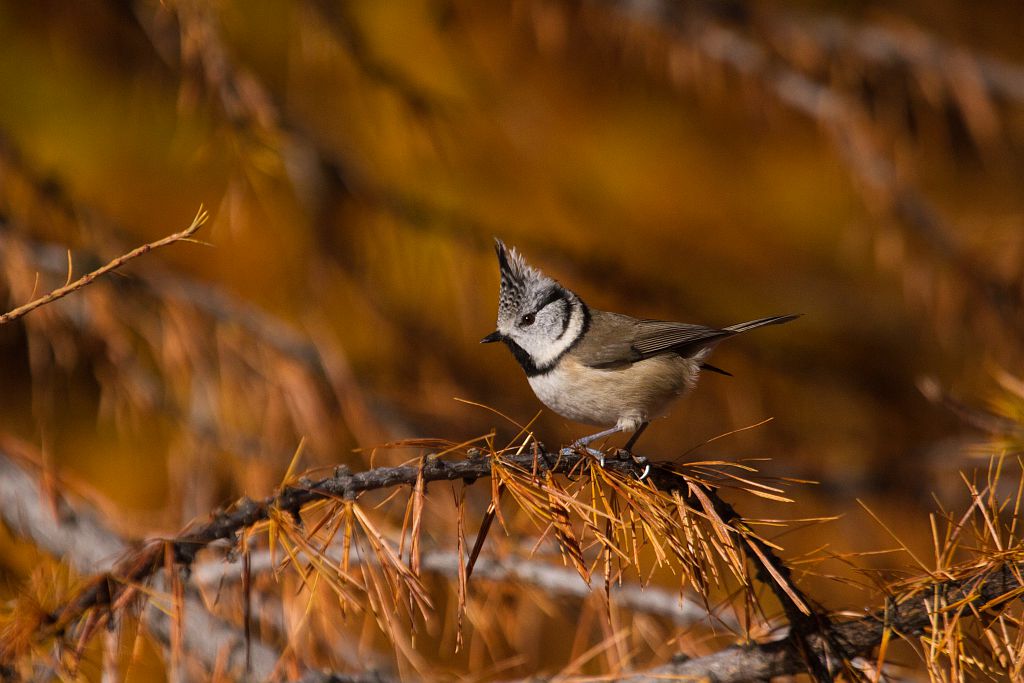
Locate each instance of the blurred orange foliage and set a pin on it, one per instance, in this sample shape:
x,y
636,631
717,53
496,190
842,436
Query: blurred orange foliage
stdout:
x,y
707,163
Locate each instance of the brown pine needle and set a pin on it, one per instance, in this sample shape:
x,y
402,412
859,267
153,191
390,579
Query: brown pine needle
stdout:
x,y
201,217
463,569
722,436
290,472
779,579
495,411
561,521
67,281
888,530
418,495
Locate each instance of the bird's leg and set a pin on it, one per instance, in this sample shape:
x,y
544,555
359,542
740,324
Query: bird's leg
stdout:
x,y
584,442
628,448
636,435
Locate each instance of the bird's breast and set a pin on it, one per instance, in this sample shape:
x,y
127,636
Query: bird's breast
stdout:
x,y
630,392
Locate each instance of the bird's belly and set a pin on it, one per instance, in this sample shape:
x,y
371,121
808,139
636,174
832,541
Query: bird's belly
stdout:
x,y
626,395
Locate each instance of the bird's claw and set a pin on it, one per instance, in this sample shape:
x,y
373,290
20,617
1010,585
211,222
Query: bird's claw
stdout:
x,y
638,460
621,454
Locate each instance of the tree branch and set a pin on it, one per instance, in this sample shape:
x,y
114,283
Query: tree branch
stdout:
x,y
910,616
135,567
340,22
800,650
197,222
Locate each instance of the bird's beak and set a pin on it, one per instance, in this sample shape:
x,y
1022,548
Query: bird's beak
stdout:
x,y
492,337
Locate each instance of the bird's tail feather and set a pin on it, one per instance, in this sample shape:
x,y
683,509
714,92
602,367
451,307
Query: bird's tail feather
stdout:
x,y
751,324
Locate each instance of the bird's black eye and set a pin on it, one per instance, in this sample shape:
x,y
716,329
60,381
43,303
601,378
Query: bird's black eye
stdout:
x,y
528,319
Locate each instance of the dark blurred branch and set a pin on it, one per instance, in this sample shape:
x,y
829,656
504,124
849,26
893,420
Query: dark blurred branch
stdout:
x,y
339,20
335,677
978,417
850,130
244,100
549,578
907,48
906,616
186,35
88,278
297,141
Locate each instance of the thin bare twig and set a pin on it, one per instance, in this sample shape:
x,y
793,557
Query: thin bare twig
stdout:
x,y
201,217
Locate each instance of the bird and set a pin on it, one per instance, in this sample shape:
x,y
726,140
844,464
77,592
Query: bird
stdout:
x,y
598,367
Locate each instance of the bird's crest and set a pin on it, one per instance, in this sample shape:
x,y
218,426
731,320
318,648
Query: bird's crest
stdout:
x,y
518,278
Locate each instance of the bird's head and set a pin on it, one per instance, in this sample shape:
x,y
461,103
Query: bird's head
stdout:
x,y
537,317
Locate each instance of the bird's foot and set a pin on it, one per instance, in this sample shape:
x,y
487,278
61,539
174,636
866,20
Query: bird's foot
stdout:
x,y
621,454
596,454
641,461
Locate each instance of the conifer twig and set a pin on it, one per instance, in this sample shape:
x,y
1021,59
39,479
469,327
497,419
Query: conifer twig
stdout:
x,y
822,649
201,217
137,565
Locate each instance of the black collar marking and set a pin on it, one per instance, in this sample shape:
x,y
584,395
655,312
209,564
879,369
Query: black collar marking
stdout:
x,y
526,361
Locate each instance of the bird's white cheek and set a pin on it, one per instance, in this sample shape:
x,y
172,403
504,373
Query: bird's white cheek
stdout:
x,y
554,343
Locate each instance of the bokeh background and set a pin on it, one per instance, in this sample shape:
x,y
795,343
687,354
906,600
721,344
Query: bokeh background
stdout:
x,y
859,163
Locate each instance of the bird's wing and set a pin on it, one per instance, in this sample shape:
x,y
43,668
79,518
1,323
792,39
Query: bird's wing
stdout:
x,y
608,340
614,338
659,336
